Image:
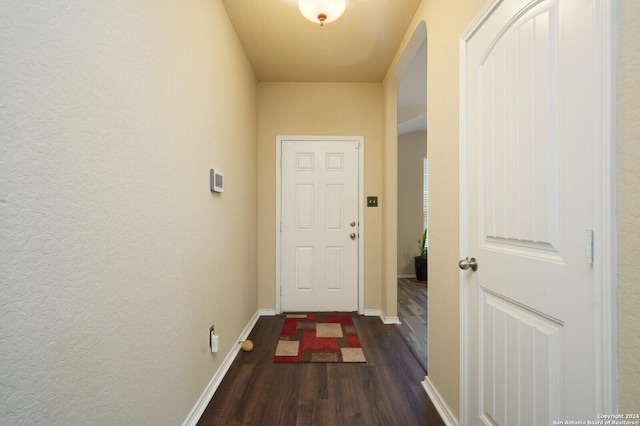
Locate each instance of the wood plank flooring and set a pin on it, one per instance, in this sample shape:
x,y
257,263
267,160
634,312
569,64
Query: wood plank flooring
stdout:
x,y
386,390
412,311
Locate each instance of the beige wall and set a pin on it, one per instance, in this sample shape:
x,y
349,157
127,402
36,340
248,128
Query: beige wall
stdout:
x,y
412,148
628,171
115,256
344,109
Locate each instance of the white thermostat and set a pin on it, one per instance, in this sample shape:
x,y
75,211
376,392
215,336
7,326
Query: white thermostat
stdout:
x,y
217,180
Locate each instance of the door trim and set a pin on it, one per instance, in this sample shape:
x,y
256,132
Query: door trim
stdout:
x,y
605,258
279,141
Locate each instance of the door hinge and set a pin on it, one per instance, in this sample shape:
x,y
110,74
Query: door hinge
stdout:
x,y
357,145
589,242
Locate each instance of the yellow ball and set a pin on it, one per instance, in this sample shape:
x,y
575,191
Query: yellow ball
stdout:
x,y
247,346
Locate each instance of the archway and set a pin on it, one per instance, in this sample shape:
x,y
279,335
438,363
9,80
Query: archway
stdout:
x,y
412,192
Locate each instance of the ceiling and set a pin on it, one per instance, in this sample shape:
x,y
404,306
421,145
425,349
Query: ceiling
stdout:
x,y
283,46
412,94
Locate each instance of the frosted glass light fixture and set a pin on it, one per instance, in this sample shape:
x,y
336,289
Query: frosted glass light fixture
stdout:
x,y
322,11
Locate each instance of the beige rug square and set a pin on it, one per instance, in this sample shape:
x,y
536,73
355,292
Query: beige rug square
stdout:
x,y
329,330
287,348
352,355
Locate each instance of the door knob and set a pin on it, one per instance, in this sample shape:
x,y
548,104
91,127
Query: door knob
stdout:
x,y
353,224
468,264
352,236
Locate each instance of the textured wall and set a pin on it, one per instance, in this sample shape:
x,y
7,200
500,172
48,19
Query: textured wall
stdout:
x,y
115,257
351,109
412,148
628,157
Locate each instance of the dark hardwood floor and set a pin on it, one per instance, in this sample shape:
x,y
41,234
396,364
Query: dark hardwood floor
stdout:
x,y
386,390
412,311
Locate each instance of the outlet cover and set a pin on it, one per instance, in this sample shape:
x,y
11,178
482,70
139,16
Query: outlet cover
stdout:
x,y
214,343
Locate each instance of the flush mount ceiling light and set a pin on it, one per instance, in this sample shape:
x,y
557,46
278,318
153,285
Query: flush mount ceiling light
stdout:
x,y
322,11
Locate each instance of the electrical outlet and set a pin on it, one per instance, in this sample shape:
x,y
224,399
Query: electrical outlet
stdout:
x,y
214,343
213,339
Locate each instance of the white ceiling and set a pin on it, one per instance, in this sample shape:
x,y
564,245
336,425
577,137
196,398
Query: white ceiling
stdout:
x,y
283,46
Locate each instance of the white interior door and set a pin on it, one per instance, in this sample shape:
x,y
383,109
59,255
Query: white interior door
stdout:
x,y
319,225
529,134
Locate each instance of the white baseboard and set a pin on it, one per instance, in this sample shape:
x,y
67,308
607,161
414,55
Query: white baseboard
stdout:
x,y
448,417
373,313
378,313
205,398
390,320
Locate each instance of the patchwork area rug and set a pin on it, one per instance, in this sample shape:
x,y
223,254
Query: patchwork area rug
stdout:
x,y
319,338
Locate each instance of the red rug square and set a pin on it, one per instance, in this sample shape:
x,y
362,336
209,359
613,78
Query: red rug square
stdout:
x,y
311,342
290,326
340,319
354,341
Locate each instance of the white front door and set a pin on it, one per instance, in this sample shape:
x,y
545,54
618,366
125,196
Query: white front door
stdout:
x,y
319,225
529,200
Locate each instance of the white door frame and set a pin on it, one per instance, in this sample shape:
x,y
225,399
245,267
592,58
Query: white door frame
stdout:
x,y
361,205
605,268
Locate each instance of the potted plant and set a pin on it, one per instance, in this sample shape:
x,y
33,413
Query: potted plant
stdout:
x,y
421,261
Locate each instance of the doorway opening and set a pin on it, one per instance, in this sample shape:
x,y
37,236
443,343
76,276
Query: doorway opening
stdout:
x,y
413,202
